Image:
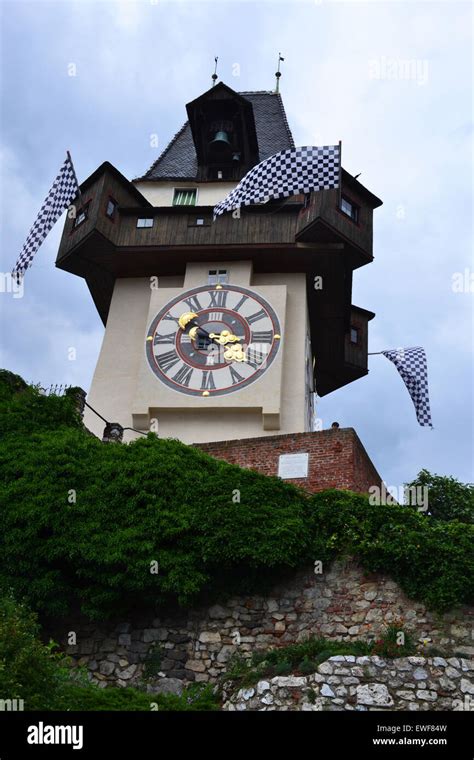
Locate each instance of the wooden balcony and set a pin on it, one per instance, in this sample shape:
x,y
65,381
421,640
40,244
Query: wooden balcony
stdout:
x,y
324,221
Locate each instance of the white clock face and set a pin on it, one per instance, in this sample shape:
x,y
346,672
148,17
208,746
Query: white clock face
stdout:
x,y
246,338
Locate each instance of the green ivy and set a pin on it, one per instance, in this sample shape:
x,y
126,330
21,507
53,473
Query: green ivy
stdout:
x,y
81,522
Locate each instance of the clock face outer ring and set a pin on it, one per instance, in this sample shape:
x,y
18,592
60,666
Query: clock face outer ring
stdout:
x,y
219,391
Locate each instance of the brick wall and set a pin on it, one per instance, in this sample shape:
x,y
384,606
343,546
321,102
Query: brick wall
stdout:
x,y
337,458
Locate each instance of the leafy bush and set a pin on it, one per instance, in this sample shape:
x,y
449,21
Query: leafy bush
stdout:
x,y
282,668
198,697
448,499
306,666
23,409
311,696
152,664
29,669
394,642
93,698
82,522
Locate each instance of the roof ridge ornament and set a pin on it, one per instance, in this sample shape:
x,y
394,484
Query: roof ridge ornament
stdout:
x,y
278,73
214,76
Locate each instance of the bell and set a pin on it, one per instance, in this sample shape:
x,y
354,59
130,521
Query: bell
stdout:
x,y
221,141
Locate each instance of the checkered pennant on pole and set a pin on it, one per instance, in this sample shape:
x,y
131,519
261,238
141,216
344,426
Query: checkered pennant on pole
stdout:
x,y
63,191
411,364
290,172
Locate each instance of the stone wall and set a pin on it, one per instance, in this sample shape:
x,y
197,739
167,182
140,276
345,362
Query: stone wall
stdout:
x,y
367,683
196,645
337,458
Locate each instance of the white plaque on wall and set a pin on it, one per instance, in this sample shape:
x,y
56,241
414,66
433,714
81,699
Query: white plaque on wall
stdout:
x,y
293,466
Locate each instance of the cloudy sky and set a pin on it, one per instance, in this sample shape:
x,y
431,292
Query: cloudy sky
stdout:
x,y
390,79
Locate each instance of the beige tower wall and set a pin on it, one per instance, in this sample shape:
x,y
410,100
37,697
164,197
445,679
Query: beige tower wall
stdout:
x,y
161,193
125,390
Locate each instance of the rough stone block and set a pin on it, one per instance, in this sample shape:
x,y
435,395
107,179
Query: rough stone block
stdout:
x,y
210,637
127,673
106,667
166,686
375,694
197,666
219,613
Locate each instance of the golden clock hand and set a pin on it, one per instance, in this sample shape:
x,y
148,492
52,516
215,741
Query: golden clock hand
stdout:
x,y
224,337
234,354
186,318
188,324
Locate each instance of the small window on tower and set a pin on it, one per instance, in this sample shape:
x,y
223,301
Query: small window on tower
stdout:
x,y
184,197
144,222
354,335
218,277
81,215
111,208
199,221
350,209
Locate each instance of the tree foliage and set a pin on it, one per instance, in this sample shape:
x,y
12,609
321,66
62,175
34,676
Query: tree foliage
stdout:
x,y
448,499
29,669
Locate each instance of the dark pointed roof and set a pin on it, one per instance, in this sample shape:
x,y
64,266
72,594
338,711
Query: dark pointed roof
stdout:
x,y
178,161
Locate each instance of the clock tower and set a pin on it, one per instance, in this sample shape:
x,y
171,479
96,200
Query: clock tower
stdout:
x,y
219,329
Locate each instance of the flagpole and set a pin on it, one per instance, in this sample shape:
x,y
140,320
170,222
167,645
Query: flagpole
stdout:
x,y
340,173
75,177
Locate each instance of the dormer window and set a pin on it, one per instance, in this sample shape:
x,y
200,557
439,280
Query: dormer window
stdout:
x,y
350,209
184,196
218,277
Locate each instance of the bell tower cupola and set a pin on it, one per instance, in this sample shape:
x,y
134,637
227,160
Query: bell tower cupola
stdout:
x,y
224,134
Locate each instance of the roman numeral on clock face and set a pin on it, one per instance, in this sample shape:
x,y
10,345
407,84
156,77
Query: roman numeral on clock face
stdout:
x,y
170,338
218,298
255,358
215,316
183,375
170,318
207,381
167,360
241,303
255,317
236,378
193,303
262,336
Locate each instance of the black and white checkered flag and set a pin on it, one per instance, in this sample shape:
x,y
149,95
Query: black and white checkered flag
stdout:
x,y
411,364
290,172
63,191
